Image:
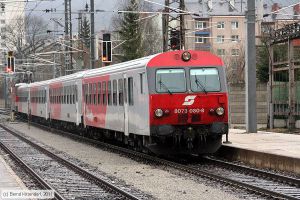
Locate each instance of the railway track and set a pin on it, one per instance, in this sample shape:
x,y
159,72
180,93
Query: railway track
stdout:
x,y
254,181
53,172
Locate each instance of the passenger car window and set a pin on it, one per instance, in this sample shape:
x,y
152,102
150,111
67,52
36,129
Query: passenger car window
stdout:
x,y
130,91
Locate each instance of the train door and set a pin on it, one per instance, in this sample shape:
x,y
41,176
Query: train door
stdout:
x,y
126,120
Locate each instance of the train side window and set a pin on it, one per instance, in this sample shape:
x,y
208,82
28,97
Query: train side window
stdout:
x,y
73,94
61,95
142,82
115,100
109,92
68,95
84,90
95,93
125,90
121,95
104,93
99,93
90,93
130,91
64,95
76,93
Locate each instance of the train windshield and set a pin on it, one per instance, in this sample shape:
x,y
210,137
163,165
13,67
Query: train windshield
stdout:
x,y
205,80
170,80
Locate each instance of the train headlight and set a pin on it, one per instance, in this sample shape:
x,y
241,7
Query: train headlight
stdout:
x,y
159,112
220,111
186,56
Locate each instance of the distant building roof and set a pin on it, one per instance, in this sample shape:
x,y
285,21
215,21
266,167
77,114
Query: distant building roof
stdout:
x,y
207,8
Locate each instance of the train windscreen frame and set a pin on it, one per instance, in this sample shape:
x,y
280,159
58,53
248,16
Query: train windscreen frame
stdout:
x,y
205,79
170,80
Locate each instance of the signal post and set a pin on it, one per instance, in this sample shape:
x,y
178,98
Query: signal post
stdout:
x,y
10,69
106,49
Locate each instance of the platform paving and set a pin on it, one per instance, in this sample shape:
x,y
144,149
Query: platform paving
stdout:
x,y
279,151
8,178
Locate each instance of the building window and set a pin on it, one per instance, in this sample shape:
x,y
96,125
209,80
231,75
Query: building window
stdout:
x,y
200,39
235,52
221,25
220,38
200,25
234,38
234,25
221,52
3,29
2,21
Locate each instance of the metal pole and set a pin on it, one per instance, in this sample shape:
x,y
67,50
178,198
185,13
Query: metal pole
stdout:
x,y
54,65
292,96
92,35
5,92
71,36
182,28
271,105
165,27
251,118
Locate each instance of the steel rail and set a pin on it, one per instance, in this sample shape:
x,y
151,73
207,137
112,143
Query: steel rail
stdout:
x,y
181,167
257,172
28,169
102,183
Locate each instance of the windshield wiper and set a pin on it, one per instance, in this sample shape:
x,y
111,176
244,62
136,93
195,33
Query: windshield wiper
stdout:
x,y
199,84
162,84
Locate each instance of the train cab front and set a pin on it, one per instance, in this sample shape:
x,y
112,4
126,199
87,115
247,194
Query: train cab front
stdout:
x,y
188,104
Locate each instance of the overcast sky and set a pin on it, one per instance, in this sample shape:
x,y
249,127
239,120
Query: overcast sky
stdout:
x,y
102,19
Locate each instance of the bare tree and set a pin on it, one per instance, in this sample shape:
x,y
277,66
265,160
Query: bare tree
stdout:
x,y
234,61
26,34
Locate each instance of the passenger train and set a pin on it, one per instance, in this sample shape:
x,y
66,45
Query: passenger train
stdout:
x,y
173,102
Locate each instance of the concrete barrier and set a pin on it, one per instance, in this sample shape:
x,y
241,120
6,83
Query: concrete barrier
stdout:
x,y
260,159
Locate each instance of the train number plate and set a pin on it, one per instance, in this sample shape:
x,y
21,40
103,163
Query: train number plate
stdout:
x,y
185,110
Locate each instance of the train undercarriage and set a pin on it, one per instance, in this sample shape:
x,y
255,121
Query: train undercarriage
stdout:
x,y
164,140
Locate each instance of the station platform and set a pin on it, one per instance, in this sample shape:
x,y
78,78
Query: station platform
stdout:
x,y
8,179
278,151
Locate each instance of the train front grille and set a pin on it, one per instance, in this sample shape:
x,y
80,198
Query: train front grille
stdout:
x,y
182,118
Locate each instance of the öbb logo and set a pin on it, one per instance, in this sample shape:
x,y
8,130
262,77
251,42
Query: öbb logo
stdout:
x,y
189,100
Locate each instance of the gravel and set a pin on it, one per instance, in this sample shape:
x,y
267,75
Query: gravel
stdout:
x,y
159,183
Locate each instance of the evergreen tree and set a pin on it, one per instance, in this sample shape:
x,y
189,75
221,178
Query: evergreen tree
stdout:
x,y
263,64
85,32
130,32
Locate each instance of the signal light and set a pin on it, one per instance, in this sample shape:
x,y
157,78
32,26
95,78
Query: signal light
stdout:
x,y
175,40
106,48
10,62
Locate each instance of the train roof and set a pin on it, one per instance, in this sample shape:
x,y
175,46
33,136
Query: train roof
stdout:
x,y
70,77
166,59
21,85
124,66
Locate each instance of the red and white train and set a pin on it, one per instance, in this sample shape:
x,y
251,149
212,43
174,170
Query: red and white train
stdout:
x,y
173,102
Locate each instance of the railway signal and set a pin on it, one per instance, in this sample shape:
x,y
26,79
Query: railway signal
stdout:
x,y
10,62
106,48
175,40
